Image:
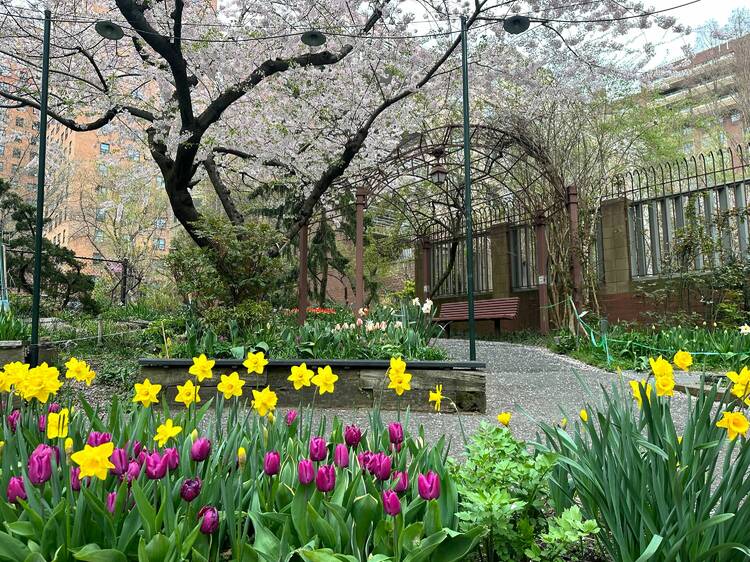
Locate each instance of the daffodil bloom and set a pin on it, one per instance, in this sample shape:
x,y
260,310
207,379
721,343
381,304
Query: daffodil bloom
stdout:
x,y
12,374
187,393
301,376
735,423
39,383
231,385
146,393
399,382
564,423
79,370
683,360
584,415
255,362
264,401
398,366
741,382
57,424
202,367
637,391
166,431
661,367
325,379
664,386
504,418
437,396
94,461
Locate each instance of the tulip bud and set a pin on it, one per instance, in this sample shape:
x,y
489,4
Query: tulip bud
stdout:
x,y
380,467
429,486
318,448
209,519
75,478
190,489
364,459
200,449
95,438
391,503
2,446
341,455
134,470
156,466
40,464
291,416
54,407
194,435
396,433
16,489
352,435
241,457
326,478
271,418
42,423
119,458
305,471
69,446
402,481
272,463
111,501
13,419
173,458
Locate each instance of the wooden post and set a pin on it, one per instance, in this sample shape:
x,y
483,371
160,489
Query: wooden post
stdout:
x,y
359,251
540,229
302,287
575,246
426,272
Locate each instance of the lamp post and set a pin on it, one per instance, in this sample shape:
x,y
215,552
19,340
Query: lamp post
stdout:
x,y
38,234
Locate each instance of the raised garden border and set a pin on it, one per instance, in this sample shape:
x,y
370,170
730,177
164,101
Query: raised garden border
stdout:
x,y
359,385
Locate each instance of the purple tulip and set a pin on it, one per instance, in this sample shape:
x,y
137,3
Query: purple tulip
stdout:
x,y
352,435
54,407
95,438
391,502
364,459
173,458
119,458
291,416
305,471
396,433
429,486
42,423
40,464
402,481
134,470
75,478
209,519
13,419
201,449
16,489
190,489
326,478
380,466
156,466
111,500
341,455
318,448
272,463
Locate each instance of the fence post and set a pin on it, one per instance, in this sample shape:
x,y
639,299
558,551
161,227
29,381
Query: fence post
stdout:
x,y
540,229
426,271
359,243
302,287
124,283
575,245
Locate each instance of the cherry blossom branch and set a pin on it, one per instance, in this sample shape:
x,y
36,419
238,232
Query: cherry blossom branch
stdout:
x,y
222,191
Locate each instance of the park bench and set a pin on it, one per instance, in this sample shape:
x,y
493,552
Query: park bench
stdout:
x,y
484,309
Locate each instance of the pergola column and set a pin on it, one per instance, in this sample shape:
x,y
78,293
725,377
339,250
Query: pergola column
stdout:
x,y
426,269
359,250
302,285
575,246
540,230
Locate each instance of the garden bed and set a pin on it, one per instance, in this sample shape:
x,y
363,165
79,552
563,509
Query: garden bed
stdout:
x,y
360,382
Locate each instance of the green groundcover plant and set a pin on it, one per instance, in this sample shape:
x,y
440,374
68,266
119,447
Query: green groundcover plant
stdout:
x,y
139,482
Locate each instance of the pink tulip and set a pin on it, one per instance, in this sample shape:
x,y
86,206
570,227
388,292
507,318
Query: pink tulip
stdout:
x,y
341,455
209,519
54,407
134,470
13,419
402,481
326,478
111,501
16,489
380,466
42,423
429,486
396,433
291,416
318,448
119,458
305,471
173,458
156,466
364,459
95,438
352,435
40,464
201,449
391,503
272,463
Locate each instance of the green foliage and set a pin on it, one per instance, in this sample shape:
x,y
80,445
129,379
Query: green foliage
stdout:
x,y
12,328
658,491
504,488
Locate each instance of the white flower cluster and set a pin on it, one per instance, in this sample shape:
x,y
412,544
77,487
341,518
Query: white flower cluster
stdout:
x,y
426,306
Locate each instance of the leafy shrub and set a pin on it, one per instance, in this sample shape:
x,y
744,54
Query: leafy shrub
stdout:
x,y
657,494
12,328
504,488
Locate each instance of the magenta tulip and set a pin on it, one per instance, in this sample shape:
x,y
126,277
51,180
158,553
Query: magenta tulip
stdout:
x,y
391,502
352,435
54,407
326,478
396,433
190,489
402,481
42,423
119,458
13,419
305,471
75,478
111,501
341,455
134,470
16,489
272,463
95,438
201,449
380,466
40,464
173,458
209,519
364,459
156,466
318,448
291,416
429,486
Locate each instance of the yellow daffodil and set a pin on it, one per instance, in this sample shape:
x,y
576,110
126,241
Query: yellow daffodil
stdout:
x,y
2,446
564,423
325,379
683,360
146,393
437,396
664,386
68,446
398,366
400,382
94,461
504,418
741,382
255,362
241,456
166,431
231,385
12,374
79,370
40,383
202,367
264,401
735,423
301,376
661,367
187,393
637,391
57,424
584,415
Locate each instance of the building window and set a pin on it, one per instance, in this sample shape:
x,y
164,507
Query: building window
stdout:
x,y
35,125
97,256
14,168
2,166
161,223
134,155
160,244
16,153
735,117
101,214
98,235
34,140
104,148
19,121
2,149
522,257
103,170
160,181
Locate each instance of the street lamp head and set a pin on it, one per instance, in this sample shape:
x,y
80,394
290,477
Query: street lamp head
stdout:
x,y
313,38
516,25
109,30
438,174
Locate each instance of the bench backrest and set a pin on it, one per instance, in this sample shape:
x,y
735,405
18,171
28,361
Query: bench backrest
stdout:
x,y
483,309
